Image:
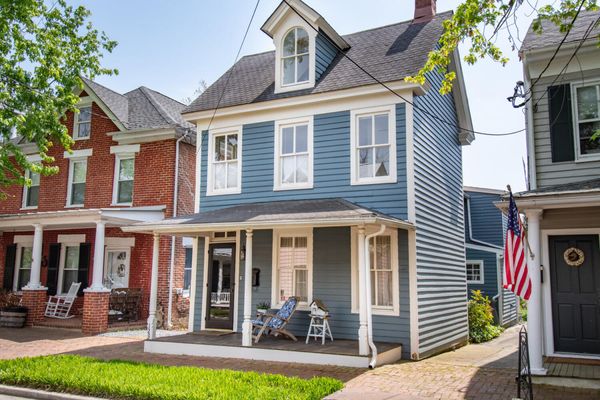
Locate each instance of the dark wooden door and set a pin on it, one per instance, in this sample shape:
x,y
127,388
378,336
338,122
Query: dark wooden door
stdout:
x,y
220,286
575,293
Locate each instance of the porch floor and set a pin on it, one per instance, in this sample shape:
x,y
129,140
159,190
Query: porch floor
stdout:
x,y
572,368
75,323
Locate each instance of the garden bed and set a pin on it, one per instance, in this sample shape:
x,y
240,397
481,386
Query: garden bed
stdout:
x,y
129,380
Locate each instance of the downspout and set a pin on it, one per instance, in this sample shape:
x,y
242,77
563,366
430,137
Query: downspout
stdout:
x,y
373,361
172,261
471,229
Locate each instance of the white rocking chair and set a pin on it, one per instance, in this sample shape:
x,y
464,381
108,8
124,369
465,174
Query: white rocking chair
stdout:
x,y
60,306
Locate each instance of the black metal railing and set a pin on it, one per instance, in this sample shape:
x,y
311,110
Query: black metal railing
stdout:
x,y
524,387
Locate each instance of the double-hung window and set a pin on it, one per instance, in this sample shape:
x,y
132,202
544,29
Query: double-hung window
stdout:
x,y
124,177
587,112
373,142
224,168
295,57
83,123
475,272
293,155
293,275
77,178
70,270
31,193
24,266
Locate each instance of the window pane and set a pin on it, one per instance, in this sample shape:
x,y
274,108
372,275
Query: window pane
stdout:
x,y
232,145
285,268
79,171
219,148
287,140
232,173
35,179
23,280
365,163
69,277
26,257
288,43
126,169
384,288
125,194
301,138
302,68
72,257
220,178
289,70
302,40
287,169
364,131
587,145
85,114
301,284
587,103
381,129
302,169
382,161
83,131
78,193
32,196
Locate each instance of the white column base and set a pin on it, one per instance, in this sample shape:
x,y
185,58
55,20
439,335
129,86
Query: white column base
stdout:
x,y
100,289
363,344
34,287
539,371
247,333
152,327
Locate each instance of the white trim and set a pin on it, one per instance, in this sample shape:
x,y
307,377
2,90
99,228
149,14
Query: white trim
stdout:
x,y
119,242
84,102
410,161
78,153
277,234
207,242
483,190
292,22
25,240
70,182
115,196
71,239
192,295
389,311
575,120
483,248
26,189
413,293
210,190
125,148
393,167
114,249
237,280
137,136
481,279
33,158
277,184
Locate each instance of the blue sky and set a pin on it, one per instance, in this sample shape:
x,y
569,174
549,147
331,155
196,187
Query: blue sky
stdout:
x,y
170,46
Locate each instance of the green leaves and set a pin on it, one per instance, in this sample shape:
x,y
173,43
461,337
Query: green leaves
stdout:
x,y
481,319
43,52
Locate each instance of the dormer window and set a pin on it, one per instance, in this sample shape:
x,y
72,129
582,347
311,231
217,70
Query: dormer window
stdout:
x,y
295,57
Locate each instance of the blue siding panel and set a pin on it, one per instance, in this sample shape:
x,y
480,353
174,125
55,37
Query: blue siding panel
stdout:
x,y
486,218
490,272
325,53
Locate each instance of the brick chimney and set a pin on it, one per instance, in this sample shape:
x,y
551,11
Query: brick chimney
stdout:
x,y
424,10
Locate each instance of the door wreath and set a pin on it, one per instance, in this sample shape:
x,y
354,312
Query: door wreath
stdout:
x,y
574,257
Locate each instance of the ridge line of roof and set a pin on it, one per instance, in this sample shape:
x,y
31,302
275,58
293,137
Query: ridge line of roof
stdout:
x,y
157,106
103,86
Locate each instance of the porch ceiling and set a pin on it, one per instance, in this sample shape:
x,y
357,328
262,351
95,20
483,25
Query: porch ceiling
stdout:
x,y
290,213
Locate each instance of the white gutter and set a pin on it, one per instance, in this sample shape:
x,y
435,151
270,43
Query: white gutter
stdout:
x,y
471,229
373,361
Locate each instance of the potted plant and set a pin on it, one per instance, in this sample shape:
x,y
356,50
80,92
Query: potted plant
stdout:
x,y
263,307
12,313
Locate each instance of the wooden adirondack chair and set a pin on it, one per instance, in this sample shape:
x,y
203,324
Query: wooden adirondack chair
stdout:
x,y
275,324
60,306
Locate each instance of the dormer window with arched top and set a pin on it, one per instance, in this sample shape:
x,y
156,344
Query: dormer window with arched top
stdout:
x,y
295,57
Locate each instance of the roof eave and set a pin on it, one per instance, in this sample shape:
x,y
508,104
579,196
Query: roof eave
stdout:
x,y
466,135
102,105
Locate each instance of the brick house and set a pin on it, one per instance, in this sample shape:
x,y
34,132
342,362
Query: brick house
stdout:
x,y
129,164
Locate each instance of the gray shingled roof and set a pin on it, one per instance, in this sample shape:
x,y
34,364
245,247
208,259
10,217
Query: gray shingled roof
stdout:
x,y
389,53
142,108
552,36
571,187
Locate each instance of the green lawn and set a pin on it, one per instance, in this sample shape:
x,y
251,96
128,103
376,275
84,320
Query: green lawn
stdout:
x,y
129,380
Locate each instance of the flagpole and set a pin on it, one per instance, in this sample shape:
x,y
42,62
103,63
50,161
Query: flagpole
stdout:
x,y
525,231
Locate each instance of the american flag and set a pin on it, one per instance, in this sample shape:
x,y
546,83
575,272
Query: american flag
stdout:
x,y
516,275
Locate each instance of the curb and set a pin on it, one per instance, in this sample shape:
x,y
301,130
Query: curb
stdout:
x,y
41,394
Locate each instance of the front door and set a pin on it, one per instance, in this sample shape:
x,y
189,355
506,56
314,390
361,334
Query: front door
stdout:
x,y
575,283
220,285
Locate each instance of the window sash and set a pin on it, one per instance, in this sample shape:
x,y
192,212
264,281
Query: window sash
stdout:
x,y
474,272
77,184
32,192
84,121
381,289
295,157
582,138
293,268
24,272
226,171
296,60
373,146
125,185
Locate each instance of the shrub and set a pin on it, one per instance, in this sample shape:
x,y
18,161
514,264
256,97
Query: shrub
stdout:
x,y
481,319
523,309
9,301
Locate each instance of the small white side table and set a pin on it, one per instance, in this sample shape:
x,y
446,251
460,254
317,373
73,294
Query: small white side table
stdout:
x,y
319,328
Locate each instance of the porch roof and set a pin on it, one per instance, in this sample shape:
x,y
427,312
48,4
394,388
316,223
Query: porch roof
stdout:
x,y
321,212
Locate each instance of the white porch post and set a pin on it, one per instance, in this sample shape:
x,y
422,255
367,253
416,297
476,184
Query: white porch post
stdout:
x,y
98,272
36,262
247,325
363,345
534,306
153,288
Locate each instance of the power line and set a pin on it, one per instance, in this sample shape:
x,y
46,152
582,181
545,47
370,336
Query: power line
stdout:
x,y
449,123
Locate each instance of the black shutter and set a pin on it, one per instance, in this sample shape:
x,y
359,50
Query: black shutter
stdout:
x,y
84,265
9,266
53,261
561,123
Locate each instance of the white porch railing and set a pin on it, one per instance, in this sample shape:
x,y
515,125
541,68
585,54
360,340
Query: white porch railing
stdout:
x,y
220,298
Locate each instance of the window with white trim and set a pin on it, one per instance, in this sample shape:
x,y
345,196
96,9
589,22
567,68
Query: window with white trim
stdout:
x,y
224,163
124,178
475,272
83,123
587,118
293,269
373,143
295,57
77,178
24,272
293,155
31,193
70,270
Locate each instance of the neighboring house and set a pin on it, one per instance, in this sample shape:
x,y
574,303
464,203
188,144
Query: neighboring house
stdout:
x,y
485,226
563,204
65,228
309,170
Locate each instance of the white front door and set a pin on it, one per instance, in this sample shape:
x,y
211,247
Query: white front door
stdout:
x,y
116,269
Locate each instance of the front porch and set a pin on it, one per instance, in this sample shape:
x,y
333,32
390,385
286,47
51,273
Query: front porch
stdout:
x,y
229,345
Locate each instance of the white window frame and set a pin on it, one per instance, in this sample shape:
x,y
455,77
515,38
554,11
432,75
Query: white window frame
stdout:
x,y
575,113
277,234
66,240
481,279
127,250
293,21
115,197
210,189
295,56
279,125
84,103
26,189
21,241
70,182
393,310
365,112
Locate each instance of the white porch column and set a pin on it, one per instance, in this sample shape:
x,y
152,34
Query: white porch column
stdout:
x,y
36,262
98,268
153,288
363,345
534,306
247,325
